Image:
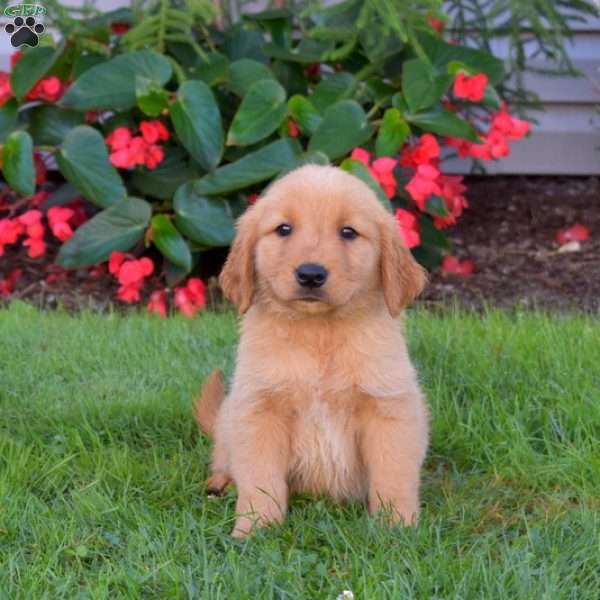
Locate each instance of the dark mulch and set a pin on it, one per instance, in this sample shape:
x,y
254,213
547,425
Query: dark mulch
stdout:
x,y
508,231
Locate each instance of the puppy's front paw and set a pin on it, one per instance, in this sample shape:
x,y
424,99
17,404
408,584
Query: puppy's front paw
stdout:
x,y
397,511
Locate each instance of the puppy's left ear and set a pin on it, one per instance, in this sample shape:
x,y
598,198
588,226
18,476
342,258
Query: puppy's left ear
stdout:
x,y
402,277
237,277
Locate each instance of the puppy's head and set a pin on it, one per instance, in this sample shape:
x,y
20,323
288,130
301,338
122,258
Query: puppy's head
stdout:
x,y
317,241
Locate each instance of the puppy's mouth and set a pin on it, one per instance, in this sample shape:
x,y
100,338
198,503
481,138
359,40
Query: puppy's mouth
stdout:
x,y
308,299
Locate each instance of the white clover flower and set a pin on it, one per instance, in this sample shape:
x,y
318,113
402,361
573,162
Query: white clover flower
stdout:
x,y
346,595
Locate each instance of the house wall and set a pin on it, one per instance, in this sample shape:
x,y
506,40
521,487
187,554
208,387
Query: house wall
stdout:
x,y
566,137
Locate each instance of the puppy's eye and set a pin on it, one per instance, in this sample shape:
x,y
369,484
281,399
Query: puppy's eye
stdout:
x,y
348,233
283,230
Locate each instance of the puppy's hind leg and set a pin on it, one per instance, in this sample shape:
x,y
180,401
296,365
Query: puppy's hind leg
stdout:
x,y
219,477
206,409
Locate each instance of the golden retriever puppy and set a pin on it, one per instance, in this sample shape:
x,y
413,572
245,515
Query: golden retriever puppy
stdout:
x,y
324,398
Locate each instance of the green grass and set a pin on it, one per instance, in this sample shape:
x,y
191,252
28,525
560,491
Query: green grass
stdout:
x,y
101,468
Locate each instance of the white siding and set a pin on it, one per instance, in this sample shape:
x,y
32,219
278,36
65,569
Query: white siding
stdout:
x,y
566,137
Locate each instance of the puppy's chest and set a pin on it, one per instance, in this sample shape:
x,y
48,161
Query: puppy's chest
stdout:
x,y
325,445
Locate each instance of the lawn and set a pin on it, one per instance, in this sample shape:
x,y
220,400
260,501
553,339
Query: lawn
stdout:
x,y
101,468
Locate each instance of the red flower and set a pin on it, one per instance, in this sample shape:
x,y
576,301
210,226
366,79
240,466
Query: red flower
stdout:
x,y
313,70
452,190
119,28
292,128
31,217
426,151
252,198
154,131
577,232
382,169
154,156
49,89
129,151
471,88
135,271
119,139
58,219
40,169
509,126
436,24
158,303
129,293
494,143
361,155
423,184
10,230
8,283
130,274
32,221
6,92
191,298
115,261
408,227
37,247
452,266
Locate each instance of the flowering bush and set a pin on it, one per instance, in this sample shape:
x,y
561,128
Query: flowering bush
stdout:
x,y
161,151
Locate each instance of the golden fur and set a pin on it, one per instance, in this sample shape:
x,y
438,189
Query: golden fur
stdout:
x,y
324,398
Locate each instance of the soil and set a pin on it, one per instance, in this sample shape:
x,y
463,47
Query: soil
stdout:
x,y
508,231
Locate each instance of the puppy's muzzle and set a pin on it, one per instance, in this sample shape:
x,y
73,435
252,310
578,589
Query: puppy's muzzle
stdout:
x,y
311,275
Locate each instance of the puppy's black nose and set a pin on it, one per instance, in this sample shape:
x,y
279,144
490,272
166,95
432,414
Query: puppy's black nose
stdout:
x,y
311,275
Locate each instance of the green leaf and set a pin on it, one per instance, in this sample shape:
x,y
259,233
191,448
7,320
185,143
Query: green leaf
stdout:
x,y
111,85
336,87
212,68
441,54
162,182
314,158
260,113
17,163
33,65
304,113
444,122
308,51
50,124
344,127
278,22
197,121
435,205
358,169
421,86
83,160
254,167
430,236
8,119
170,242
246,72
392,134
244,43
204,220
151,97
119,227
428,256
492,98
63,195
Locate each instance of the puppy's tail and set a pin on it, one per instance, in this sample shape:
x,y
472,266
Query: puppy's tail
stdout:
x,y
207,405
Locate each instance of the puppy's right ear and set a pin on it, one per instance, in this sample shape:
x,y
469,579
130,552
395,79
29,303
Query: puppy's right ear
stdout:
x,y
237,277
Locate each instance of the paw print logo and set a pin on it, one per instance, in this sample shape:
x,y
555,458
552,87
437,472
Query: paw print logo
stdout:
x,y
24,31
